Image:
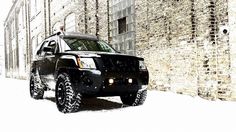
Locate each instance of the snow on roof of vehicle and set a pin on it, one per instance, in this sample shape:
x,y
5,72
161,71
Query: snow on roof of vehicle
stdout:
x,y
78,35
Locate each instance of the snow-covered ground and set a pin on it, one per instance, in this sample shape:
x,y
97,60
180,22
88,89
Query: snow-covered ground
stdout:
x,y
161,112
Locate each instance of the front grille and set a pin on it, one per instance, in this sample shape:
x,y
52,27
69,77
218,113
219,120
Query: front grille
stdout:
x,y
120,64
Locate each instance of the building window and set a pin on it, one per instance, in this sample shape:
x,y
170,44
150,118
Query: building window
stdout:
x,y
21,19
34,45
70,23
38,5
39,39
13,30
35,7
23,16
56,27
122,25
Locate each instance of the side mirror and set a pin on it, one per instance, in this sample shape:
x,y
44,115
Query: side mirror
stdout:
x,y
47,49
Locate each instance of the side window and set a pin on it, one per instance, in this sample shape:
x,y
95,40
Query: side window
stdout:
x,y
40,50
64,46
53,44
48,48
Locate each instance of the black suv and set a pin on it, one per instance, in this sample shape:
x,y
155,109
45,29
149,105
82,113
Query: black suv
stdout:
x,y
78,66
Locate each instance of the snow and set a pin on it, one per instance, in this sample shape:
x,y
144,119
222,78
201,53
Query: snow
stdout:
x,y
162,112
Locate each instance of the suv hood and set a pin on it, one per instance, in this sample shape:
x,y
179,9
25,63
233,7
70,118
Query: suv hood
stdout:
x,y
99,54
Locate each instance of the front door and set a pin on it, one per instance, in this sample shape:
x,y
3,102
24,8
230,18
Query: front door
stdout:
x,y
48,62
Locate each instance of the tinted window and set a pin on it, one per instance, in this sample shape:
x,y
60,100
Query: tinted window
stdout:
x,y
40,48
53,45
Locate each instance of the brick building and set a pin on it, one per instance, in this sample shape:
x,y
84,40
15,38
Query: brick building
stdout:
x,y
1,59
188,44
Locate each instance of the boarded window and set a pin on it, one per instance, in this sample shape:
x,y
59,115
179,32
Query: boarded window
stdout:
x,y
122,25
70,23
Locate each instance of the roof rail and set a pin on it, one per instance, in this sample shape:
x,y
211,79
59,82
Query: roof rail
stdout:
x,y
56,34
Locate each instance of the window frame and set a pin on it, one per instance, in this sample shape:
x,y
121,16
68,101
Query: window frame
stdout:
x,y
56,49
40,50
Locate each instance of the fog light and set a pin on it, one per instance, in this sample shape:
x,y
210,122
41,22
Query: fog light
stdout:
x,y
130,80
111,81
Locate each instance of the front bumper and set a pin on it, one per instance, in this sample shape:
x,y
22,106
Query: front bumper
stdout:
x,y
96,83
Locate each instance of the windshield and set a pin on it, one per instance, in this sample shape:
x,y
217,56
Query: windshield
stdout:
x,y
75,44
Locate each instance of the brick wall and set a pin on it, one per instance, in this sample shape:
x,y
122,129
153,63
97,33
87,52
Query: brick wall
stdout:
x,y
186,45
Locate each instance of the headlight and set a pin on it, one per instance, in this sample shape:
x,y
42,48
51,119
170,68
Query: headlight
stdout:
x,y
142,65
86,63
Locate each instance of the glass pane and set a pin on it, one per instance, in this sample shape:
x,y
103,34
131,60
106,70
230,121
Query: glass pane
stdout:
x,y
70,23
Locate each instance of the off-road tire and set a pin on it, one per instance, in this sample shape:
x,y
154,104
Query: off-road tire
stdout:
x,y
66,99
134,99
36,90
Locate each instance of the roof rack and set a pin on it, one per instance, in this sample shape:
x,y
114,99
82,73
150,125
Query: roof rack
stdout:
x,y
74,34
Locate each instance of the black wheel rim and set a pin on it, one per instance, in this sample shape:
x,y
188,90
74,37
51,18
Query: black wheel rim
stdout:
x,y
130,96
61,94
